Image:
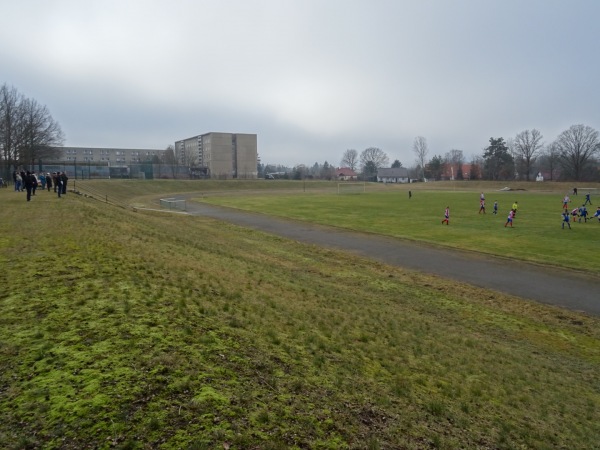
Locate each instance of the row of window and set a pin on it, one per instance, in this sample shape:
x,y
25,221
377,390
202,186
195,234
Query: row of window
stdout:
x,y
91,158
108,152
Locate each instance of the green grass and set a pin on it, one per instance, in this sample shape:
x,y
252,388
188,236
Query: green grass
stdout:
x,y
537,235
147,330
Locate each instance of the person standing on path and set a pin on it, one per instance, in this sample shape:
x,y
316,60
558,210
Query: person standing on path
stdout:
x,y
446,216
510,218
565,216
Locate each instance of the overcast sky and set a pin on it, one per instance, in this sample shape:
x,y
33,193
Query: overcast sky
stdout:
x,y
311,78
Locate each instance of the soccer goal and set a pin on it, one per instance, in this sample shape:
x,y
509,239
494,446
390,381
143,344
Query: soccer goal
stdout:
x,y
173,203
586,190
351,188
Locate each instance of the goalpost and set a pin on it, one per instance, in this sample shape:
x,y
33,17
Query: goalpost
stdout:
x,y
351,188
173,203
592,191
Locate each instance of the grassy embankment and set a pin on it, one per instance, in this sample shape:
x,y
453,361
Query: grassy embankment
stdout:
x,y
146,330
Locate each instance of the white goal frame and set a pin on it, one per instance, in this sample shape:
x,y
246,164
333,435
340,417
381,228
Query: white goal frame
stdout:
x,y
173,203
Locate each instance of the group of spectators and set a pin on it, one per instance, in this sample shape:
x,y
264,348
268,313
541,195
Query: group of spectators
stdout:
x,y
30,182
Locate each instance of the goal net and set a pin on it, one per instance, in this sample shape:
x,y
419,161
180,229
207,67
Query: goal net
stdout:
x,y
588,190
351,188
173,203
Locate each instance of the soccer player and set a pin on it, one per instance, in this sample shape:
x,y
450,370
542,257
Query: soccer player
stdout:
x,y
566,201
510,218
515,206
495,207
587,199
597,214
574,213
481,206
583,213
565,216
446,216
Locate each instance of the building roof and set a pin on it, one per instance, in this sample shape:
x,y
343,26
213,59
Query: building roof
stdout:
x,y
346,172
397,172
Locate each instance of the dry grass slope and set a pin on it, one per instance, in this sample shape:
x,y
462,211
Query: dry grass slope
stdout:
x,y
146,330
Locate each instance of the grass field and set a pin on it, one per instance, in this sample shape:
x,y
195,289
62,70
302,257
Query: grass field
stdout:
x,y
143,330
537,235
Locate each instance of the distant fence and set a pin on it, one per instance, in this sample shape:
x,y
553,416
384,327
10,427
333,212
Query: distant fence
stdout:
x,y
173,203
92,192
90,170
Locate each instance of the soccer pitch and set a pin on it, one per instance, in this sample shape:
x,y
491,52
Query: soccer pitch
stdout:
x,y
537,234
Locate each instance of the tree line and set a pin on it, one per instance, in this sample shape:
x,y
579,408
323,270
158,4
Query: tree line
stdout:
x,y
573,155
28,133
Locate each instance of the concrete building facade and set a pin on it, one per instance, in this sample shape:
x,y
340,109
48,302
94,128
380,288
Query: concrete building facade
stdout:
x,y
112,156
99,162
220,155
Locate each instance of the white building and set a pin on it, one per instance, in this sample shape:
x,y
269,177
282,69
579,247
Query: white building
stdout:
x,y
395,175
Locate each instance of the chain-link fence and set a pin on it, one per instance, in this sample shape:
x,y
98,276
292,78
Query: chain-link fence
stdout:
x,y
89,170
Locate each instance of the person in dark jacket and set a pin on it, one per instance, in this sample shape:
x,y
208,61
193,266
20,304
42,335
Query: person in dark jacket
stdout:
x,y
48,181
64,178
28,180
58,184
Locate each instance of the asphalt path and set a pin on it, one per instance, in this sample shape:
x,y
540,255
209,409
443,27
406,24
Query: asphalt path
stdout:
x,y
568,289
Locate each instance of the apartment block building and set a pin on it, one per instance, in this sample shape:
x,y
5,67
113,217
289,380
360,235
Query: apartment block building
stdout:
x,y
220,155
110,156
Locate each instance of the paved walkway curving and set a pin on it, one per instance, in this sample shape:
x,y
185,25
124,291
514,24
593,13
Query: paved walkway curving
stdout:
x,y
560,287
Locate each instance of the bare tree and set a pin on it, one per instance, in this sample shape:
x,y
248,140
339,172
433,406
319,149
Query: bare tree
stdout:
x,y
187,157
374,155
350,159
27,130
169,160
40,133
9,104
577,146
551,158
526,146
372,159
421,150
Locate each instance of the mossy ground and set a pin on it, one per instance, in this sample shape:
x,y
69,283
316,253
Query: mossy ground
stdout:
x,y
146,330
